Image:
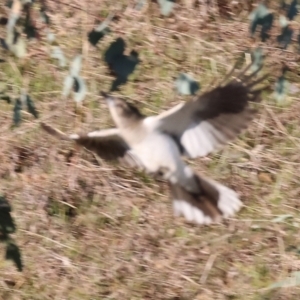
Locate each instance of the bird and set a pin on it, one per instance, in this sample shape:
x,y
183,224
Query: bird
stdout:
x,y
159,143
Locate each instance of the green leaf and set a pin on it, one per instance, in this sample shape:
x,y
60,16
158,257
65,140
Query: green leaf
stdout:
x,y
4,44
99,32
17,112
259,12
29,27
261,16
80,89
166,6
95,36
5,98
73,80
285,38
14,42
281,218
293,10
186,85
4,204
115,49
7,225
281,89
13,18
57,53
75,66
13,253
68,84
119,64
18,48
31,107
124,65
257,59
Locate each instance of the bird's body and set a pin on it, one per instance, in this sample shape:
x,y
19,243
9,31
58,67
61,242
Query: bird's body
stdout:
x,y
193,129
159,152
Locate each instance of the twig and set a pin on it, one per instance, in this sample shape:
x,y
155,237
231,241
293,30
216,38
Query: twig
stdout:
x,y
208,267
280,126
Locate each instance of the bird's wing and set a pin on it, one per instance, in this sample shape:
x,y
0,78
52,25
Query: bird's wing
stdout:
x,y
107,144
213,118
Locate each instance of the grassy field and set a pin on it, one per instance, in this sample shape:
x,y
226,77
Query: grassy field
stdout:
x,y
91,230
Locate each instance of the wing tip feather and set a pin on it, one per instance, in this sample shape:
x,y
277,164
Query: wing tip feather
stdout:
x,y
54,132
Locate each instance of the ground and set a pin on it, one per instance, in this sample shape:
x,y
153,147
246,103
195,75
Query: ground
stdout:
x,y
92,230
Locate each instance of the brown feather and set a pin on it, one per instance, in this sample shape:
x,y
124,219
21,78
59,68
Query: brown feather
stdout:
x,y
206,200
109,147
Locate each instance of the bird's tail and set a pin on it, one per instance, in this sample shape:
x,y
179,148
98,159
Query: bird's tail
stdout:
x,y
214,201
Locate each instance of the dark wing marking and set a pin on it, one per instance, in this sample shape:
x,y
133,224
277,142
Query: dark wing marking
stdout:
x,y
107,144
212,119
213,202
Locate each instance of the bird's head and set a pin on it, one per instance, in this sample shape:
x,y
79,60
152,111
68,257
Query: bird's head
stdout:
x,y
124,114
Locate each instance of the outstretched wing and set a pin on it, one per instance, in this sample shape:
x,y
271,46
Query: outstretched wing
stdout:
x,y
107,144
212,119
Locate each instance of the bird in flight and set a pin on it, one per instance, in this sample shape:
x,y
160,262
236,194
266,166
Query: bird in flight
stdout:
x,y
157,144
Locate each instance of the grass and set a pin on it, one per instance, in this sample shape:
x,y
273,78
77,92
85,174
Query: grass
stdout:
x,y
90,230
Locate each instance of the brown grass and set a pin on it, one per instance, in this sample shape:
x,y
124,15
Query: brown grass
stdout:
x,y
89,230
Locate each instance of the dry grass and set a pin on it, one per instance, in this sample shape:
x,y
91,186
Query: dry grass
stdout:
x,y
89,230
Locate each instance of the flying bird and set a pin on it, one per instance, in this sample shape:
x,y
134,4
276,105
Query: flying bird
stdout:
x,y
192,129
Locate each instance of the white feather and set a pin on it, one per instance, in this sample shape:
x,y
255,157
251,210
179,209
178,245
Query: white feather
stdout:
x,y
190,212
228,204
201,139
104,132
68,84
76,66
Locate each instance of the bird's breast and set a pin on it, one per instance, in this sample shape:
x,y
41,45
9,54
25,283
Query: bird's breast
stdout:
x,y
157,150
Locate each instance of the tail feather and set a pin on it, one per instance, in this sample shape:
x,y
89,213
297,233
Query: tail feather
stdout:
x,y
214,202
